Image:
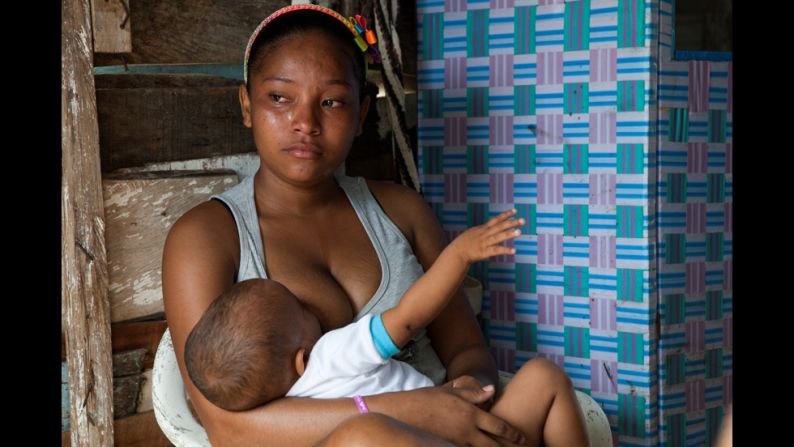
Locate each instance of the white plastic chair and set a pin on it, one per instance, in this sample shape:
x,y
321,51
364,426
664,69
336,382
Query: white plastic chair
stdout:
x,y
181,428
169,399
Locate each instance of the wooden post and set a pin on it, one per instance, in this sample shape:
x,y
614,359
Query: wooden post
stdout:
x,y
85,309
111,26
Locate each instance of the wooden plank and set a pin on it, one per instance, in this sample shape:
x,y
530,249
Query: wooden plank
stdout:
x,y
144,334
128,362
140,209
111,22
157,118
191,31
145,398
137,430
85,309
125,395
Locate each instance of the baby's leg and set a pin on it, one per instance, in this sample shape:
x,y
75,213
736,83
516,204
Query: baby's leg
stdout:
x,y
540,401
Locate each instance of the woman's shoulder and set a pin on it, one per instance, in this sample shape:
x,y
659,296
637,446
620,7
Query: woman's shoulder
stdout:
x,y
207,227
405,207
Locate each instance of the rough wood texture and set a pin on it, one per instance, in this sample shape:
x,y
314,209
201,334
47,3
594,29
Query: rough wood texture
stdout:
x,y
138,430
128,362
85,310
125,395
155,118
140,209
188,31
145,398
144,334
111,26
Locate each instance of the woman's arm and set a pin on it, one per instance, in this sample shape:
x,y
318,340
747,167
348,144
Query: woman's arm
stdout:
x,y
455,334
199,262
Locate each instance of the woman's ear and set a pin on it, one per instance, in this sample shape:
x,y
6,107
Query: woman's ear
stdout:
x,y
363,116
300,361
245,106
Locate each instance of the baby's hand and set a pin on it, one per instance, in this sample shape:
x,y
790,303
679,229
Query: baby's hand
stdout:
x,y
483,241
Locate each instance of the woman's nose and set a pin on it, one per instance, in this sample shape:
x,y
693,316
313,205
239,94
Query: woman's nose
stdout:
x,y
305,118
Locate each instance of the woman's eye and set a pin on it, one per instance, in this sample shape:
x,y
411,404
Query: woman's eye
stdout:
x,y
277,98
332,103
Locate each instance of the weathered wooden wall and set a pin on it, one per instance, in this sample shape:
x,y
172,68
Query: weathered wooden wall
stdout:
x,y
191,31
162,117
85,310
111,26
140,209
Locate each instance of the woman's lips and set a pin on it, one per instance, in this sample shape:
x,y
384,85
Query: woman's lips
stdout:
x,y
305,151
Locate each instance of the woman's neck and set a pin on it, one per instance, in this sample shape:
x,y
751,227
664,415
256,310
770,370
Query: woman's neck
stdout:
x,y
275,196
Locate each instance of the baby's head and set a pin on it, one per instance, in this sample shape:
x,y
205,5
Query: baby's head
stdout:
x,y
251,345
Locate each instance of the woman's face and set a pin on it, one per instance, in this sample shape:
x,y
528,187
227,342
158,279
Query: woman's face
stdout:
x,y
304,108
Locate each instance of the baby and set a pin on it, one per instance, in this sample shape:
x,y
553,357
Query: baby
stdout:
x,y
257,342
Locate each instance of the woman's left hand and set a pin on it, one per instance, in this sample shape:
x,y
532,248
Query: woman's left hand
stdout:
x,y
469,382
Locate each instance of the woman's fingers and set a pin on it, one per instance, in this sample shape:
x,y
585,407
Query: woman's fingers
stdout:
x,y
480,439
501,217
498,427
474,395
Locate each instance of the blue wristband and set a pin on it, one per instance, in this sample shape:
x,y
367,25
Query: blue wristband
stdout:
x,y
383,343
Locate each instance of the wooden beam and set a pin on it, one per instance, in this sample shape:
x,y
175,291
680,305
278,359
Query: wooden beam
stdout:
x,y
111,20
85,308
158,118
191,31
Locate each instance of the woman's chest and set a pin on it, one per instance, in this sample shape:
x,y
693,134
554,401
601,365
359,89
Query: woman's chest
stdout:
x,y
332,265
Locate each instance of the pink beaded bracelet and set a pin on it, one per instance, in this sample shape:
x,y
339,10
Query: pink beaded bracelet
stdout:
x,y
362,406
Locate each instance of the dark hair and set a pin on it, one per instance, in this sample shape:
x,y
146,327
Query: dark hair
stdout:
x,y
300,22
235,341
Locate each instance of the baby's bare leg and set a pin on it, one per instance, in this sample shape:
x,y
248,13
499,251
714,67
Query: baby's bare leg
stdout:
x,y
540,401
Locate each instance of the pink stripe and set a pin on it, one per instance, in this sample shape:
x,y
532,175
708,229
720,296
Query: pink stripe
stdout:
x,y
557,188
595,63
698,85
612,69
701,277
633,23
612,191
558,67
558,247
727,273
611,316
696,218
728,210
727,332
612,120
632,285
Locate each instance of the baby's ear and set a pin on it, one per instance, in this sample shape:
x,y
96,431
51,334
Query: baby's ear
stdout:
x,y
301,358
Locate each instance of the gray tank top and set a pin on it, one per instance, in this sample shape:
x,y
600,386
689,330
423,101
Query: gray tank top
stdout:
x,y
399,266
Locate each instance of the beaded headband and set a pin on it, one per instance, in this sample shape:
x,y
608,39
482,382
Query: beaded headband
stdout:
x,y
362,36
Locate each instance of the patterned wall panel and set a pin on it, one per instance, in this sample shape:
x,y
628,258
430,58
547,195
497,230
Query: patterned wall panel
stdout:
x,y
695,212
548,106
